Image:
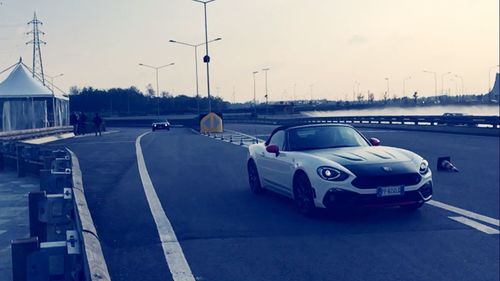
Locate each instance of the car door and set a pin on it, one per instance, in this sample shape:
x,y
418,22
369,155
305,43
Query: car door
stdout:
x,y
277,169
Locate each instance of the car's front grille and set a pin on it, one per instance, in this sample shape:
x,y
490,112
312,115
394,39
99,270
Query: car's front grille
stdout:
x,y
366,182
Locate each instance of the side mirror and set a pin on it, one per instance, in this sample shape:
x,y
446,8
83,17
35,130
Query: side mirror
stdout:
x,y
272,148
375,141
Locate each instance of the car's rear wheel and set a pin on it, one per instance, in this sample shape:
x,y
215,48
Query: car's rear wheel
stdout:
x,y
412,207
253,178
153,129
303,195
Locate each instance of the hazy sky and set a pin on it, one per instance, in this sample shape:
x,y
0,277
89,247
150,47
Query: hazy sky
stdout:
x,y
325,43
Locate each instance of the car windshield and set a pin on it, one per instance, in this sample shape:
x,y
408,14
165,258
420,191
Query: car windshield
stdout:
x,y
321,137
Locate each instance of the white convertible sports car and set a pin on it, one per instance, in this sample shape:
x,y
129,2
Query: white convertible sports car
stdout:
x,y
336,167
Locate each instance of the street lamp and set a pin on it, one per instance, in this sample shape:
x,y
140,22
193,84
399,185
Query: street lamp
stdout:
x,y
267,95
195,46
206,59
489,77
387,79
53,95
404,85
442,81
435,82
254,92
462,82
156,68
354,90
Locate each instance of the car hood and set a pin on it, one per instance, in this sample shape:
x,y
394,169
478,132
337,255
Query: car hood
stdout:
x,y
347,156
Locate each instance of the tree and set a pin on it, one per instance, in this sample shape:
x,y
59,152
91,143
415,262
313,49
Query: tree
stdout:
x,y
371,97
415,97
150,91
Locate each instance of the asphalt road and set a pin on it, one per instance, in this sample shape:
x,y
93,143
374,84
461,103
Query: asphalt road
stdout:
x,y
227,233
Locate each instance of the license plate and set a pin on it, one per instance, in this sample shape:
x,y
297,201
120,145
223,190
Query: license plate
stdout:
x,y
390,191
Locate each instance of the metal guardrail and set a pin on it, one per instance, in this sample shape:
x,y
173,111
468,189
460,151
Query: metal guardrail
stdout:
x,y
63,243
417,120
33,133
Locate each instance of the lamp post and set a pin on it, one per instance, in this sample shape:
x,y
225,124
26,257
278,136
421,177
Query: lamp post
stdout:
x,y
206,59
387,79
354,90
462,82
267,94
53,95
157,68
442,81
404,85
435,82
254,92
489,77
195,46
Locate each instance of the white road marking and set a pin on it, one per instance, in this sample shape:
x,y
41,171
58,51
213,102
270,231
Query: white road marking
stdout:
x,y
2,231
463,212
476,225
177,263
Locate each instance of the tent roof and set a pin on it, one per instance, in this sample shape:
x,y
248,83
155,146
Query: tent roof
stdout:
x,y
20,84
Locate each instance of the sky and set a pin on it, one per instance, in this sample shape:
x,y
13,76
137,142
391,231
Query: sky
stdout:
x,y
320,49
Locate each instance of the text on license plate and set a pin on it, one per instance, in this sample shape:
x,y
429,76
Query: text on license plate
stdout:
x,y
390,190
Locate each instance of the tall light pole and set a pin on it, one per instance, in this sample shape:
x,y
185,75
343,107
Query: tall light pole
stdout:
x,y
267,94
157,68
53,95
254,92
435,82
195,46
52,80
489,78
354,90
442,81
387,79
404,85
206,59
462,82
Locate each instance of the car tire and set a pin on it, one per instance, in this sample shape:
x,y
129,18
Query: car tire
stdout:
x,y
253,178
412,207
303,195
153,129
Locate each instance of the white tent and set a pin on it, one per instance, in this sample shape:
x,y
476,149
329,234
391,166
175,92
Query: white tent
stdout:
x,y
25,103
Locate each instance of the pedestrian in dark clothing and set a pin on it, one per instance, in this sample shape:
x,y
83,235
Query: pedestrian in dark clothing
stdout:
x,y
81,123
97,124
73,121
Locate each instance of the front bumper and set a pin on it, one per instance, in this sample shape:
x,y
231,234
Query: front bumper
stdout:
x,y
341,198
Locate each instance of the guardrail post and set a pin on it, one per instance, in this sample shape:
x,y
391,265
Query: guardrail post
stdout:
x,y
37,228
20,250
2,165
21,165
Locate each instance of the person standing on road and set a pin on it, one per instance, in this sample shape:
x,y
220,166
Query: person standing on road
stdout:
x,y
97,124
73,121
81,123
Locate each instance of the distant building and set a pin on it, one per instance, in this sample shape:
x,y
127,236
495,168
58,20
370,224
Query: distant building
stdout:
x,y
25,103
494,94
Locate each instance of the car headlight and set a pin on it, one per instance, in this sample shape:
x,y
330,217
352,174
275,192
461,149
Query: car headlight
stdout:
x,y
331,174
424,167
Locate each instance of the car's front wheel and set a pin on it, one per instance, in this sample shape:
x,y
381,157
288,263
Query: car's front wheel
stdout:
x,y
253,178
303,195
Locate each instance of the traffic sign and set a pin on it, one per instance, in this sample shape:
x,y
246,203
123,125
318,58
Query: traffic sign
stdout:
x,y
211,123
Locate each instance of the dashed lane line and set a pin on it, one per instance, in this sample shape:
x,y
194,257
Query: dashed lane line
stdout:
x,y
176,261
474,224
